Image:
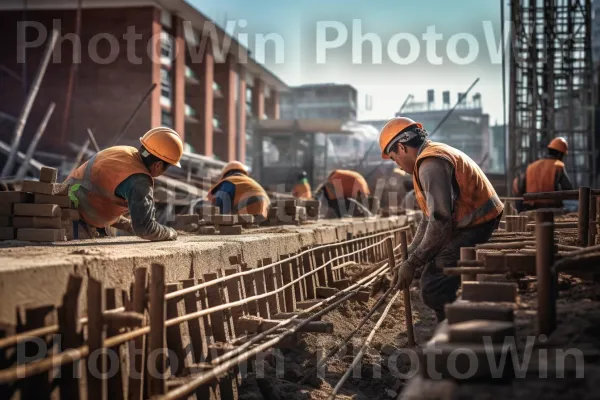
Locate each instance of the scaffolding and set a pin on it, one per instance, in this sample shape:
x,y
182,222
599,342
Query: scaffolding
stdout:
x,y
552,84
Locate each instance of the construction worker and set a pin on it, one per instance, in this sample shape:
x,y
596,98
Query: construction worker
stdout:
x,y
342,194
302,189
237,193
120,179
545,175
460,208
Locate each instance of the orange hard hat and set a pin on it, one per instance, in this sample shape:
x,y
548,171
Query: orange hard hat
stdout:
x,y
391,131
234,166
559,144
164,143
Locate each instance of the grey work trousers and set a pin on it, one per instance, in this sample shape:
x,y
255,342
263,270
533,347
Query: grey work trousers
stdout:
x,y
438,289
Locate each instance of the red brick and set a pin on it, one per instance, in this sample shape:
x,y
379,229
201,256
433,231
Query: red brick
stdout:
x,y
207,230
224,219
462,311
5,221
62,201
69,231
230,229
69,214
48,175
207,211
7,233
15,197
53,189
41,235
474,331
37,222
6,209
182,220
37,210
489,291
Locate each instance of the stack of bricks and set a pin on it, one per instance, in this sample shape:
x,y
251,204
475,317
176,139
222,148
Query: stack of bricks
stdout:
x,y
288,212
312,209
227,224
40,212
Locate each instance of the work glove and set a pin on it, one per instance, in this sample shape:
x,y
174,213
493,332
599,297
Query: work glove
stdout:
x,y
404,276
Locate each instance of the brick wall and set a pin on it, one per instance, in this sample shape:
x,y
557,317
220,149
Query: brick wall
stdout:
x,y
104,95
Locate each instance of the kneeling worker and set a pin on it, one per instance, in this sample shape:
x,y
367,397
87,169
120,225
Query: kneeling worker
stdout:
x,y
237,193
342,195
460,207
302,189
545,175
120,179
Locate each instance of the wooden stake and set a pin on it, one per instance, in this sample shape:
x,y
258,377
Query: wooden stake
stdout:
x,y
156,345
96,384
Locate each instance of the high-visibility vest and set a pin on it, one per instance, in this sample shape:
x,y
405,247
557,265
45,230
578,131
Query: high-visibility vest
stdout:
x,y
98,179
477,201
541,177
302,190
345,184
250,197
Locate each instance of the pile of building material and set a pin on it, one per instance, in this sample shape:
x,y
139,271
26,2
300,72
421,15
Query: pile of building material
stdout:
x,y
40,212
293,212
209,221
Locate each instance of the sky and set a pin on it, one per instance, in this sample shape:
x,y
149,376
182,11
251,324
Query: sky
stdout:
x,y
413,46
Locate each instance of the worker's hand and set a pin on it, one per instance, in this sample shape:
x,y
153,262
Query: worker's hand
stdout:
x,y
405,276
172,234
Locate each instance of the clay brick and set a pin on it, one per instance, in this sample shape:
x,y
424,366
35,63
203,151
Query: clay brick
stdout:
x,y
326,292
5,221
182,220
293,211
54,189
292,203
37,222
361,296
207,211
7,233
69,214
207,230
489,291
62,201
474,331
462,312
15,197
224,219
6,209
246,219
273,212
230,229
311,203
41,235
37,210
69,231
48,175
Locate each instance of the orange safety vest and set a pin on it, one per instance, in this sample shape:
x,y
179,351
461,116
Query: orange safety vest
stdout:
x,y
345,184
477,202
302,190
541,177
99,178
250,197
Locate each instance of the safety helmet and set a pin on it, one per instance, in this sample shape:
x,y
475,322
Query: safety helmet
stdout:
x,y
391,133
234,166
559,144
164,143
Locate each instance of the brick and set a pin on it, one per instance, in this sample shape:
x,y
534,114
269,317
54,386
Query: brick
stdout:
x,y
48,175
69,214
230,229
5,221
69,231
326,292
62,201
15,197
37,210
6,209
292,203
246,219
272,212
54,189
489,291
461,312
293,211
474,331
207,211
41,235
182,220
224,219
311,203
7,233
37,222
207,230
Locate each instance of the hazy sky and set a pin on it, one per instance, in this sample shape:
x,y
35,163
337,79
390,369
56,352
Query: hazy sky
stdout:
x,y
467,46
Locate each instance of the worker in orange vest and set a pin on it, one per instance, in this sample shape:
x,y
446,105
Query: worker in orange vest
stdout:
x,y
302,189
120,180
237,193
460,208
343,194
545,175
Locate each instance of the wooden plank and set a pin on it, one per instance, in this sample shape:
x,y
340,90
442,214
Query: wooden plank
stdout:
x,y
327,256
309,280
250,289
281,300
174,335
96,386
234,293
190,301
71,336
286,273
137,346
156,341
299,289
115,381
321,277
261,288
270,285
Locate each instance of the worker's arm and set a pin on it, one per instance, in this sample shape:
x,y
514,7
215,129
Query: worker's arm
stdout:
x,y
563,182
137,190
436,176
224,195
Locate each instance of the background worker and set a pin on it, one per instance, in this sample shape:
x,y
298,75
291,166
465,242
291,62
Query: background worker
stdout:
x,y
120,180
302,188
237,193
460,208
342,194
545,175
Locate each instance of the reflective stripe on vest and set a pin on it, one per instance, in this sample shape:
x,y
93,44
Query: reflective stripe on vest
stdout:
x,y
541,177
477,200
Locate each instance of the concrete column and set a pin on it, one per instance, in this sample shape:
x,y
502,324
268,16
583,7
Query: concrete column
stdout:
x,y
273,105
178,77
202,139
155,109
225,108
241,142
258,99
